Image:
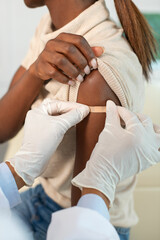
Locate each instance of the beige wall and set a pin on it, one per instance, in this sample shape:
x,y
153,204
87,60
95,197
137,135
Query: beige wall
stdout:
x,y
18,25
147,193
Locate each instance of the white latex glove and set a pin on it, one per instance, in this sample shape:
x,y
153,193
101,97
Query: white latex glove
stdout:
x,y
42,135
120,153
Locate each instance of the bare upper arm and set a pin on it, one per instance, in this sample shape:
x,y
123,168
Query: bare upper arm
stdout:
x,y
19,73
94,91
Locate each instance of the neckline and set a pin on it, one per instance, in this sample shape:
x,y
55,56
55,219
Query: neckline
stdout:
x,y
78,25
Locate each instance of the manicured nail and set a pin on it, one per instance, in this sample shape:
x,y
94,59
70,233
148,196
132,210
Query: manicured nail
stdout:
x,y
80,78
94,63
71,83
87,70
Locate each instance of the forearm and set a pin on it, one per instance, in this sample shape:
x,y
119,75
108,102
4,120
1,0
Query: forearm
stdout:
x,y
94,191
85,142
15,104
19,181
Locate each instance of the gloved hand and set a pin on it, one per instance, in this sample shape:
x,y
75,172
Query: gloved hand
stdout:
x,y
42,135
120,153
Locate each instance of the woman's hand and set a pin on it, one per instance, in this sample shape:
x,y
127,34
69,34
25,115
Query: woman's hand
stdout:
x,y
66,59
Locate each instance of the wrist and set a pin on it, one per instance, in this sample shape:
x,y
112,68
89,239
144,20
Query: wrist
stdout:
x,y
97,192
19,181
33,74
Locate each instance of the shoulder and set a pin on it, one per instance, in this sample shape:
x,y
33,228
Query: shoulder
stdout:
x,y
95,91
118,53
119,65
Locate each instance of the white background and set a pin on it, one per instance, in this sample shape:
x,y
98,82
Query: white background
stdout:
x,y
17,25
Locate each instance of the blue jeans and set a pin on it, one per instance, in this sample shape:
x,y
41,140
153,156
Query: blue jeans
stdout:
x,y
35,213
123,233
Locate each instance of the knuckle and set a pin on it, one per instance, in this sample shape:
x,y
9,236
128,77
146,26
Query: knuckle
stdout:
x,y
75,73
41,57
49,44
65,80
70,49
81,40
52,72
83,64
39,68
61,60
61,35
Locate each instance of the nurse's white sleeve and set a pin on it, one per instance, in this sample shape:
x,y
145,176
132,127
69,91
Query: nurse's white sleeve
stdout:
x,y
4,204
8,187
10,226
80,223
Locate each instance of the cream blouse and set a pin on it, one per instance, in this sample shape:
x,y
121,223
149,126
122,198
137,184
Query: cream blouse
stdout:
x,y
122,71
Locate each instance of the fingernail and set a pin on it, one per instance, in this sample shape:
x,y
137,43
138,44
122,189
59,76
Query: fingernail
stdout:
x,y
87,70
80,78
71,83
94,63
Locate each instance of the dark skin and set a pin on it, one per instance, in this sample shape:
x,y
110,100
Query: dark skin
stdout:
x,y
63,58
57,60
89,129
74,8
19,181
26,84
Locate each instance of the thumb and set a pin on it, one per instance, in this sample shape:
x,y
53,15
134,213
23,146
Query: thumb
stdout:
x,y
98,51
112,114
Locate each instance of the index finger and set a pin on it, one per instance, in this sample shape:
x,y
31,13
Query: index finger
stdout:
x,y
112,114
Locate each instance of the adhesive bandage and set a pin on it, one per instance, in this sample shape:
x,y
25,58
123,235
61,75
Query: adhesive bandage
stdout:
x,y
98,109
